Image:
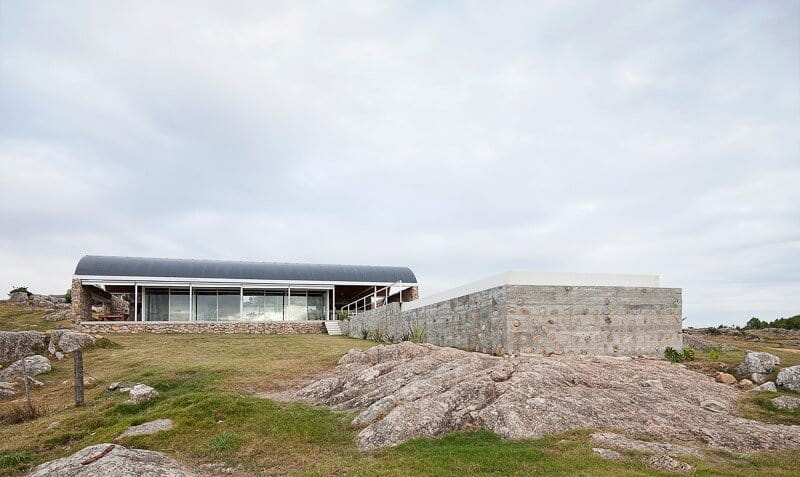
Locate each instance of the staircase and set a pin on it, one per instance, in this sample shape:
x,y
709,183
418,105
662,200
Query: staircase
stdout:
x,y
333,327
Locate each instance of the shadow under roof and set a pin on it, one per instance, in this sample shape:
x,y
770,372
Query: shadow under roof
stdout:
x,y
97,266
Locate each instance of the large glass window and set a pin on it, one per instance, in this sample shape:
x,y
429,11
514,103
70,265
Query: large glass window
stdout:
x,y
205,305
298,306
254,305
228,305
157,300
316,305
178,305
274,305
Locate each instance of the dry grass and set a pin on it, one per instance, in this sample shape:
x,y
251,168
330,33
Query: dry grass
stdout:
x,y
20,318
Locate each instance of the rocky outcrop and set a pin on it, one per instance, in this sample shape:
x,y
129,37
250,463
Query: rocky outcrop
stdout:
x,y
103,460
409,390
757,365
16,344
139,393
34,365
147,428
37,301
67,341
769,386
789,378
702,344
788,403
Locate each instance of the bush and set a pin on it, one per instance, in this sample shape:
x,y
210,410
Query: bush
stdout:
x,y
342,315
688,354
17,289
378,333
68,296
671,355
417,333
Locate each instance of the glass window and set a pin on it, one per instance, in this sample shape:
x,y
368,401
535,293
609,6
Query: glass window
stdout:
x,y
273,305
157,304
298,306
205,305
178,305
228,305
254,305
316,305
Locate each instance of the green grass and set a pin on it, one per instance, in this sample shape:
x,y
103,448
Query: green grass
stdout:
x,y
19,318
209,386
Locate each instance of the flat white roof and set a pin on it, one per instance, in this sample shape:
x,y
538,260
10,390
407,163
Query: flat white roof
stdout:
x,y
520,277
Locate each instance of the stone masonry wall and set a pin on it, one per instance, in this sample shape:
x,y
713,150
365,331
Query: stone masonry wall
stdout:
x,y
262,327
593,320
517,319
81,301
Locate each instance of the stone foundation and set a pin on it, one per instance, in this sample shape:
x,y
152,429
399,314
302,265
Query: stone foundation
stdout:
x,y
262,327
540,320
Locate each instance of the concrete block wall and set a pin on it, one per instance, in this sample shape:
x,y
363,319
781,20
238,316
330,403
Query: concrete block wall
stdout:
x,y
541,320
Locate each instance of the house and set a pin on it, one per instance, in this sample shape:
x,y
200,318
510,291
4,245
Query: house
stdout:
x,y
180,291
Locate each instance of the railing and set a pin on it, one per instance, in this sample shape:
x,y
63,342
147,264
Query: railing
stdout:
x,y
378,297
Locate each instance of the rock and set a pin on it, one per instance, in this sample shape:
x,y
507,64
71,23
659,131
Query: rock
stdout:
x,y
68,341
35,365
769,386
652,383
16,344
618,441
148,428
59,355
411,390
725,378
34,382
713,406
607,453
757,365
59,314
119,462
666,463
789,378
121,386
53,425
7,390
88,382
745,385
789,403
141,393
18,297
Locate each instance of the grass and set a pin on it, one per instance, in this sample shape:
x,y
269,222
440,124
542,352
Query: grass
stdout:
x,y
20,318
209,386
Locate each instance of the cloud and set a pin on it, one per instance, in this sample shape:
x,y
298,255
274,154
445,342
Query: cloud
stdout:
x,y
460,140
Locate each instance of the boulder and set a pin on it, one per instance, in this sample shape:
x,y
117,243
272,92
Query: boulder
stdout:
x,y
35,365
757,365
141,393
789,378
103,460
7,390
789,403
410,390
88,382
16,344
68,341
725,378
121,386
745,385
59,314
666,463
769,386
618,441
17,298
148,428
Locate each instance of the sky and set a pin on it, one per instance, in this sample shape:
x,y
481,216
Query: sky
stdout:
x,y
460,139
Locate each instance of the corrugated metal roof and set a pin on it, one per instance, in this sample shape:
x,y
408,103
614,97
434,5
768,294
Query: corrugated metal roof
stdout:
x,y
105,266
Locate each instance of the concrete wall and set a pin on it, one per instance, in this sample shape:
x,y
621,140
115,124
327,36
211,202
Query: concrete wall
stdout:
x,y
262,327
542,320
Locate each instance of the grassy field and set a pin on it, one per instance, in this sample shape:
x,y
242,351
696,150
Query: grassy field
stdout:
x,y
208,386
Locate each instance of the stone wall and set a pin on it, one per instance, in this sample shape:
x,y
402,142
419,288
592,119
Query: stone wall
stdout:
x,y
262,327
81,301
541,320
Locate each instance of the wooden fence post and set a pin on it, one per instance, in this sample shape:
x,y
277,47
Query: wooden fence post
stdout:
x,y
77,357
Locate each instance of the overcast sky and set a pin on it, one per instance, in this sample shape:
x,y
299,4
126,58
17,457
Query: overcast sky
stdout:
x,y
460,139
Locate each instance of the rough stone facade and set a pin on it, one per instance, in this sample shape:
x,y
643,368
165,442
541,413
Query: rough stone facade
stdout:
x,y
81,301
262,327
540,320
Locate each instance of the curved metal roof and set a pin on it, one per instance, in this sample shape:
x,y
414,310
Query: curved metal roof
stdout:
x,y
105,266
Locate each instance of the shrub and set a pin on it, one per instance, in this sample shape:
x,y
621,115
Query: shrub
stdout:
x,y
378,333
17,414
688,354
418,333
364,332
671,355
19,289
713,355
342,315
68,296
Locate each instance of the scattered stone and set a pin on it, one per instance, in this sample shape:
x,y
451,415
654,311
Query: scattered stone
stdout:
x,y
725,378
141,393
666,463
53,425
148,428
757,365
652,383
7,390
16,344
411,390
607,453
35,365
59,314
789,403
59,355
618,441
769,386
745,385
88,382
68,341
121,386
789,378
119,462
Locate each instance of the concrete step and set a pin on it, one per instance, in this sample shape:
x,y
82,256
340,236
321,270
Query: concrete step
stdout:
x,y
333,328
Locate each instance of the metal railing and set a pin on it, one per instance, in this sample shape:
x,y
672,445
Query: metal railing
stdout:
x,y
378,297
